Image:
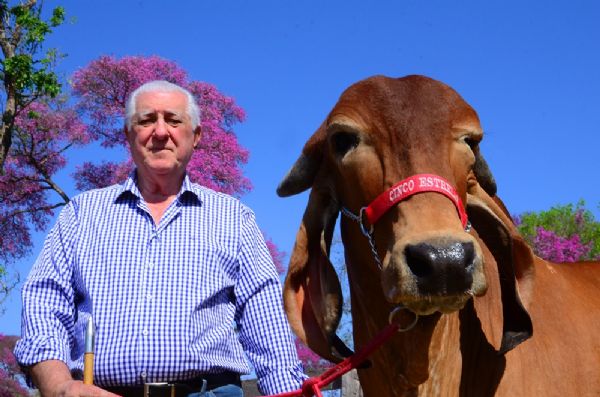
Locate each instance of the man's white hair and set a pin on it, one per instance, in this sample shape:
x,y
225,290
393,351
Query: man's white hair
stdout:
x,y
162,86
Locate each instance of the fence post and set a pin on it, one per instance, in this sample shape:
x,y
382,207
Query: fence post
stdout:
x,y
351,385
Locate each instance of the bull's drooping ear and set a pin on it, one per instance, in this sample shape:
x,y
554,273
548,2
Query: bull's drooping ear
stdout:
x,y
302,174
496,235
312,294
523,257
484,174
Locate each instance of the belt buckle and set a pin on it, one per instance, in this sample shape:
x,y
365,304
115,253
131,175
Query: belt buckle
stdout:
x,y
158,385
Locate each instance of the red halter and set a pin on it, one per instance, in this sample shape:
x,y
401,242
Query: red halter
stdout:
x,y
410,186
415,184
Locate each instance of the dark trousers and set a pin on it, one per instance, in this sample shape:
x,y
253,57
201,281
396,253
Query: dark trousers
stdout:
x,y
223,391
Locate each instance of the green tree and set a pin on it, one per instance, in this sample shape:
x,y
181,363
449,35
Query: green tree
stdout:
x,y
27,75
564,233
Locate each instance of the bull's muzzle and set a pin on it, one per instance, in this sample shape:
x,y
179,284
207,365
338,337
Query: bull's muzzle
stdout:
x,y
437,273
441,269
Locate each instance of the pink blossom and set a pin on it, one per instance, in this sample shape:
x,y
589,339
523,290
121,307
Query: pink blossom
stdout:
x,y
277,255
553,247
312,362
94,176
44,131
10,374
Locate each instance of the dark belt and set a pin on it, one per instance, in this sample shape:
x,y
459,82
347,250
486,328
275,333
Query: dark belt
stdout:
x,y
180,388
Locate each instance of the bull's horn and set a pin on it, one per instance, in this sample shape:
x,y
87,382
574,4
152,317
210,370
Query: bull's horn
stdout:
x,y
484,175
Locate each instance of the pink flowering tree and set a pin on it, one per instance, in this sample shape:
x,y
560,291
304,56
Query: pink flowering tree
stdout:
x,y
277,255
553,247
562,234
11,384
313,363
102,89
28,190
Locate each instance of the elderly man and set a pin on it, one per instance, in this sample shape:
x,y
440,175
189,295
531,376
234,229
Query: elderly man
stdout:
x,y
176,277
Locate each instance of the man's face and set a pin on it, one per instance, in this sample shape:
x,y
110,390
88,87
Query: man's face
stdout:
x,y
162,139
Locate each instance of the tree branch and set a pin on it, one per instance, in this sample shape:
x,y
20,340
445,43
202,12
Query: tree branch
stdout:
x,y
12,214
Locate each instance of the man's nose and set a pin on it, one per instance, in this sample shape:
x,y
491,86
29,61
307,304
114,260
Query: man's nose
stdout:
x,y
160,129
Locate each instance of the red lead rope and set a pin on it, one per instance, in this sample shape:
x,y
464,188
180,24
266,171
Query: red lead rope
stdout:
x,y
312,386
418,183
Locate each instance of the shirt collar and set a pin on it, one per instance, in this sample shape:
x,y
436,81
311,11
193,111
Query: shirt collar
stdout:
x,y
130,187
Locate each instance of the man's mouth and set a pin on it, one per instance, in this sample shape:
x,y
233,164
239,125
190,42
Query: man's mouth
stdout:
x,y
158,149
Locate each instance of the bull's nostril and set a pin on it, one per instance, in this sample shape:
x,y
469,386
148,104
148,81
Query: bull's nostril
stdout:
x,y
469,254
420,259
441,268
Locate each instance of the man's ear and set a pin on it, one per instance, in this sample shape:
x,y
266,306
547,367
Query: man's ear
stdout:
x,y
197,135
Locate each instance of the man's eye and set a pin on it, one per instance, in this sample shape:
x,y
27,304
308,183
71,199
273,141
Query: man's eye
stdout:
x,y
174,122
145,122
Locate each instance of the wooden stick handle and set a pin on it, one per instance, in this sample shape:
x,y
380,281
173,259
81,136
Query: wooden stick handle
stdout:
x,y
88,369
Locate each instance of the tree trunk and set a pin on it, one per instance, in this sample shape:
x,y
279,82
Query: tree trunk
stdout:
x,y
6,130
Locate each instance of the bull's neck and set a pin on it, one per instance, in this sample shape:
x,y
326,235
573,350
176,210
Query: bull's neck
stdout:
x,y
402,362
430,357
405,361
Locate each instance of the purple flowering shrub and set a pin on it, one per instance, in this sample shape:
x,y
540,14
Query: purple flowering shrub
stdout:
x,y
562,234
313,363
10,384
555,248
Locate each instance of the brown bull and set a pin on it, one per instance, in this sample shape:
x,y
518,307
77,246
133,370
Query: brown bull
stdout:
x,y
382,131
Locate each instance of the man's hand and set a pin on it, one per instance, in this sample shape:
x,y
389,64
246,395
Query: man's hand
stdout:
x,y
53,379
76,388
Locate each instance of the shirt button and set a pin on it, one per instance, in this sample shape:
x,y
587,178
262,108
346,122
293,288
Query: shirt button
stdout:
x,y
149,297
143,375
145,332
150,265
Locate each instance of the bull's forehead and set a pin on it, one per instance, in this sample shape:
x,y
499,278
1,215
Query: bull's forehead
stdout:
x,y
412,105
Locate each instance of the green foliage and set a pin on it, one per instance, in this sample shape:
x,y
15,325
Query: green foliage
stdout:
x,y
27,75
566,221
23,72
8,281
28,18
20,70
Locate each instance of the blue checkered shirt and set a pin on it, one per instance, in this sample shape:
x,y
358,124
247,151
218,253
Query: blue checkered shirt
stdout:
x,y
169,302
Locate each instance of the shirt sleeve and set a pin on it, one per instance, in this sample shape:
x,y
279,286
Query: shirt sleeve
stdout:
x,y
47,318
264,330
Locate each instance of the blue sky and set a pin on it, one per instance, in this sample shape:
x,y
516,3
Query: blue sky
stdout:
x,y
530,69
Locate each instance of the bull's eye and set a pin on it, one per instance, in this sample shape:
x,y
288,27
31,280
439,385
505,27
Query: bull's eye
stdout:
x,y
344,141
470,141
